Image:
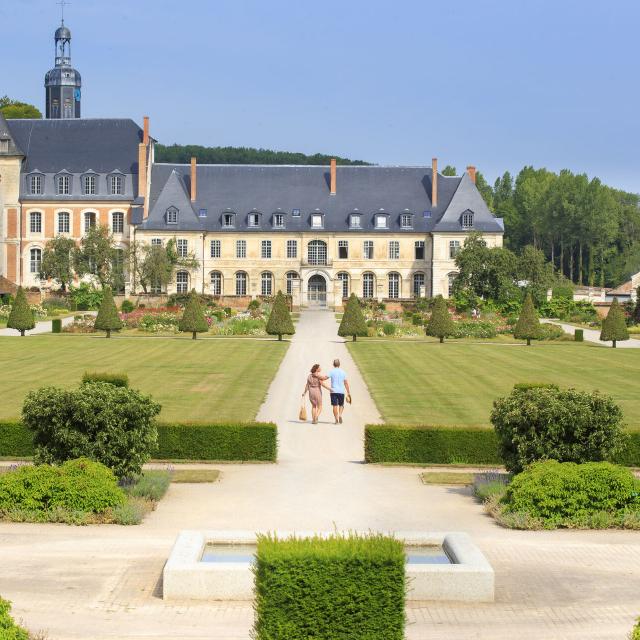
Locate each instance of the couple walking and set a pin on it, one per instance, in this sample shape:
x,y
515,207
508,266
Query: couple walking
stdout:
x,y
338,387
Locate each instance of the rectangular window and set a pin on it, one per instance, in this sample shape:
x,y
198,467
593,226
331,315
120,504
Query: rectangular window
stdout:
x,y
227,220
241,248
183,248
89,220
406,221
354,221
278,220
156,287
254,219
368,250
292,248
35,185
35,222
343,249
394,250
295,213
117,222
156,242
62,185
381,222
454,248
89,185
216,250
265,249
116,185
419,249
64,222
316,221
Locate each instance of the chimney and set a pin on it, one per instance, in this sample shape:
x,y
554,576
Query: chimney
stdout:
x,y
194,178
434,182
145,129
333,177
471,170
142,171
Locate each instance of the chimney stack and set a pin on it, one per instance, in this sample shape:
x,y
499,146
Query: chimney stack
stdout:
x,y
471,170
333,177
434,182
145,129
142,171
194,190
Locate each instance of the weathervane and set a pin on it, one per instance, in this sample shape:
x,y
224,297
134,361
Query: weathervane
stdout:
x,y
62,4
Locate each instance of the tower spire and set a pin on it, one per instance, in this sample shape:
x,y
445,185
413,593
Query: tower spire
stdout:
x,y
62,4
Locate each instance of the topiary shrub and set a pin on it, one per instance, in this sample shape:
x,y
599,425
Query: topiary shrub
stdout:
x,y
193,320
279,321
108,319
578,336
570,494
116,379
528,325
440,323
100,421
565,425
9,630
338,588
614,326
127,306
21,316
353,323
56,325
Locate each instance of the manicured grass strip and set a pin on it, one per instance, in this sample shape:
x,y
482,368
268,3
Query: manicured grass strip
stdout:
x,y
15,440
199,380
446,477
456,383
194,475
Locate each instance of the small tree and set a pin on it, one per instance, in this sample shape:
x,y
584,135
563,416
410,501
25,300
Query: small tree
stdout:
x,y
440,324
280,322
108,319
21,317
528,326
57,263
193,320
353,323
614,326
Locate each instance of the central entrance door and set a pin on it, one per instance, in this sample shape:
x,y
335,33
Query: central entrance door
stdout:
x,y
317,291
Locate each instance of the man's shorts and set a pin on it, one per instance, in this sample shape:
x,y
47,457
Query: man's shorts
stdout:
x,y
337,399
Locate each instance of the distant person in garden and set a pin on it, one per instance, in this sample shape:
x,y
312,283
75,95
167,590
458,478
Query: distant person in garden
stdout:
x,y
339,390
314,386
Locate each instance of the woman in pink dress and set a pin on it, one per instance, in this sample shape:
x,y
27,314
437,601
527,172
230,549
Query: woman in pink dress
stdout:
x,y
314,387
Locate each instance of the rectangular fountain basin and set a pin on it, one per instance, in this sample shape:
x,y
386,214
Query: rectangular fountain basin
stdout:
x,y
217,565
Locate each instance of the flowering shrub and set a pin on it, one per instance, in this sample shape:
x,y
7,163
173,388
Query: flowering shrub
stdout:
x,y
474,329
240,327
38,311
81,324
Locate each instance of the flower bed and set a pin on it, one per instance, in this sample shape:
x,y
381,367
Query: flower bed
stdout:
x,y
39,311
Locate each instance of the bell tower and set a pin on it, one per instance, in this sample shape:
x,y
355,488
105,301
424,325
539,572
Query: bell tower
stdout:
x,y
63,82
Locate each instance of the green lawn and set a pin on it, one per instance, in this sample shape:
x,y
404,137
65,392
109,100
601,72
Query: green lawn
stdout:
x,y
456,383
199,380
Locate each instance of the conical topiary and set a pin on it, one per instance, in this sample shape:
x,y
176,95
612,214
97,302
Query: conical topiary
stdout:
x,y
528,326
614,326
21,317
193,320
279,321
108,319
353,323
440,324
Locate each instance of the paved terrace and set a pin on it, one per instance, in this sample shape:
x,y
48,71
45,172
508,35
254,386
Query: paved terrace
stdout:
x,y
103,582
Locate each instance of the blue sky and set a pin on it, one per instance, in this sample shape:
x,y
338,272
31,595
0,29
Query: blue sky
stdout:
x,y
495,83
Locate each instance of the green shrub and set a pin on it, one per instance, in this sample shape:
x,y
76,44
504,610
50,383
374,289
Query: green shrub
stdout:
x,y
563,288
16,441
127,306
525,386
568,309
21,318
440,324
151,485
9,630
578,336
253,305
417,319
100,421
528,326
353,323
255,441
389,328
107,319
614,326
56,325
428,444
564,425
116,379
635,633
279,322
130,512
568,493
474,329
85,297
77,485
339,588
193,320
549,331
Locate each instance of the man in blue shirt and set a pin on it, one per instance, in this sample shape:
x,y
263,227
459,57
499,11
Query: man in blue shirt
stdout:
x,y
339,387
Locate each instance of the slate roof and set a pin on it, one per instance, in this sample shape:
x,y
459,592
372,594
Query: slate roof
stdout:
x,y
5,134
270,189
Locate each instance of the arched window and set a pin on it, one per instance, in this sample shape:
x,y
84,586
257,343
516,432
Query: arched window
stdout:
x,y
117,222
343,276
317,252
368,285
451,278
35,260
35,222
394,286
89,220
266,283
241,283
418,283
182,282
215,279
467,219
64,222
291,276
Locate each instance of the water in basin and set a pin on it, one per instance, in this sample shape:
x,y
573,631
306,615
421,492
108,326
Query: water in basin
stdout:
x,y
427,554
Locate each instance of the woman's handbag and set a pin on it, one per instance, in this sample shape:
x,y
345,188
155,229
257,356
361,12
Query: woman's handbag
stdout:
x,y
348,398
303,411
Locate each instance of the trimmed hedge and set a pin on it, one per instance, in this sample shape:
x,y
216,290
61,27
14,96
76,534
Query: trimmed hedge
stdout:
x,y
116,379
432,444
255,441
578,336
339,588
56,325
525,386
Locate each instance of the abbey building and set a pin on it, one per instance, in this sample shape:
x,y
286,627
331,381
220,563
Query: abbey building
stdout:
x,y
316,232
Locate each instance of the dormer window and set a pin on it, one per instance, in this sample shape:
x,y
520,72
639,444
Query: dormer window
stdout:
x,y
116,185
89,185
254,219
63,185
406,221
278,220
354,221
382,221
228,220
316,221
202,213
36,184
466,220
295,213
171,215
